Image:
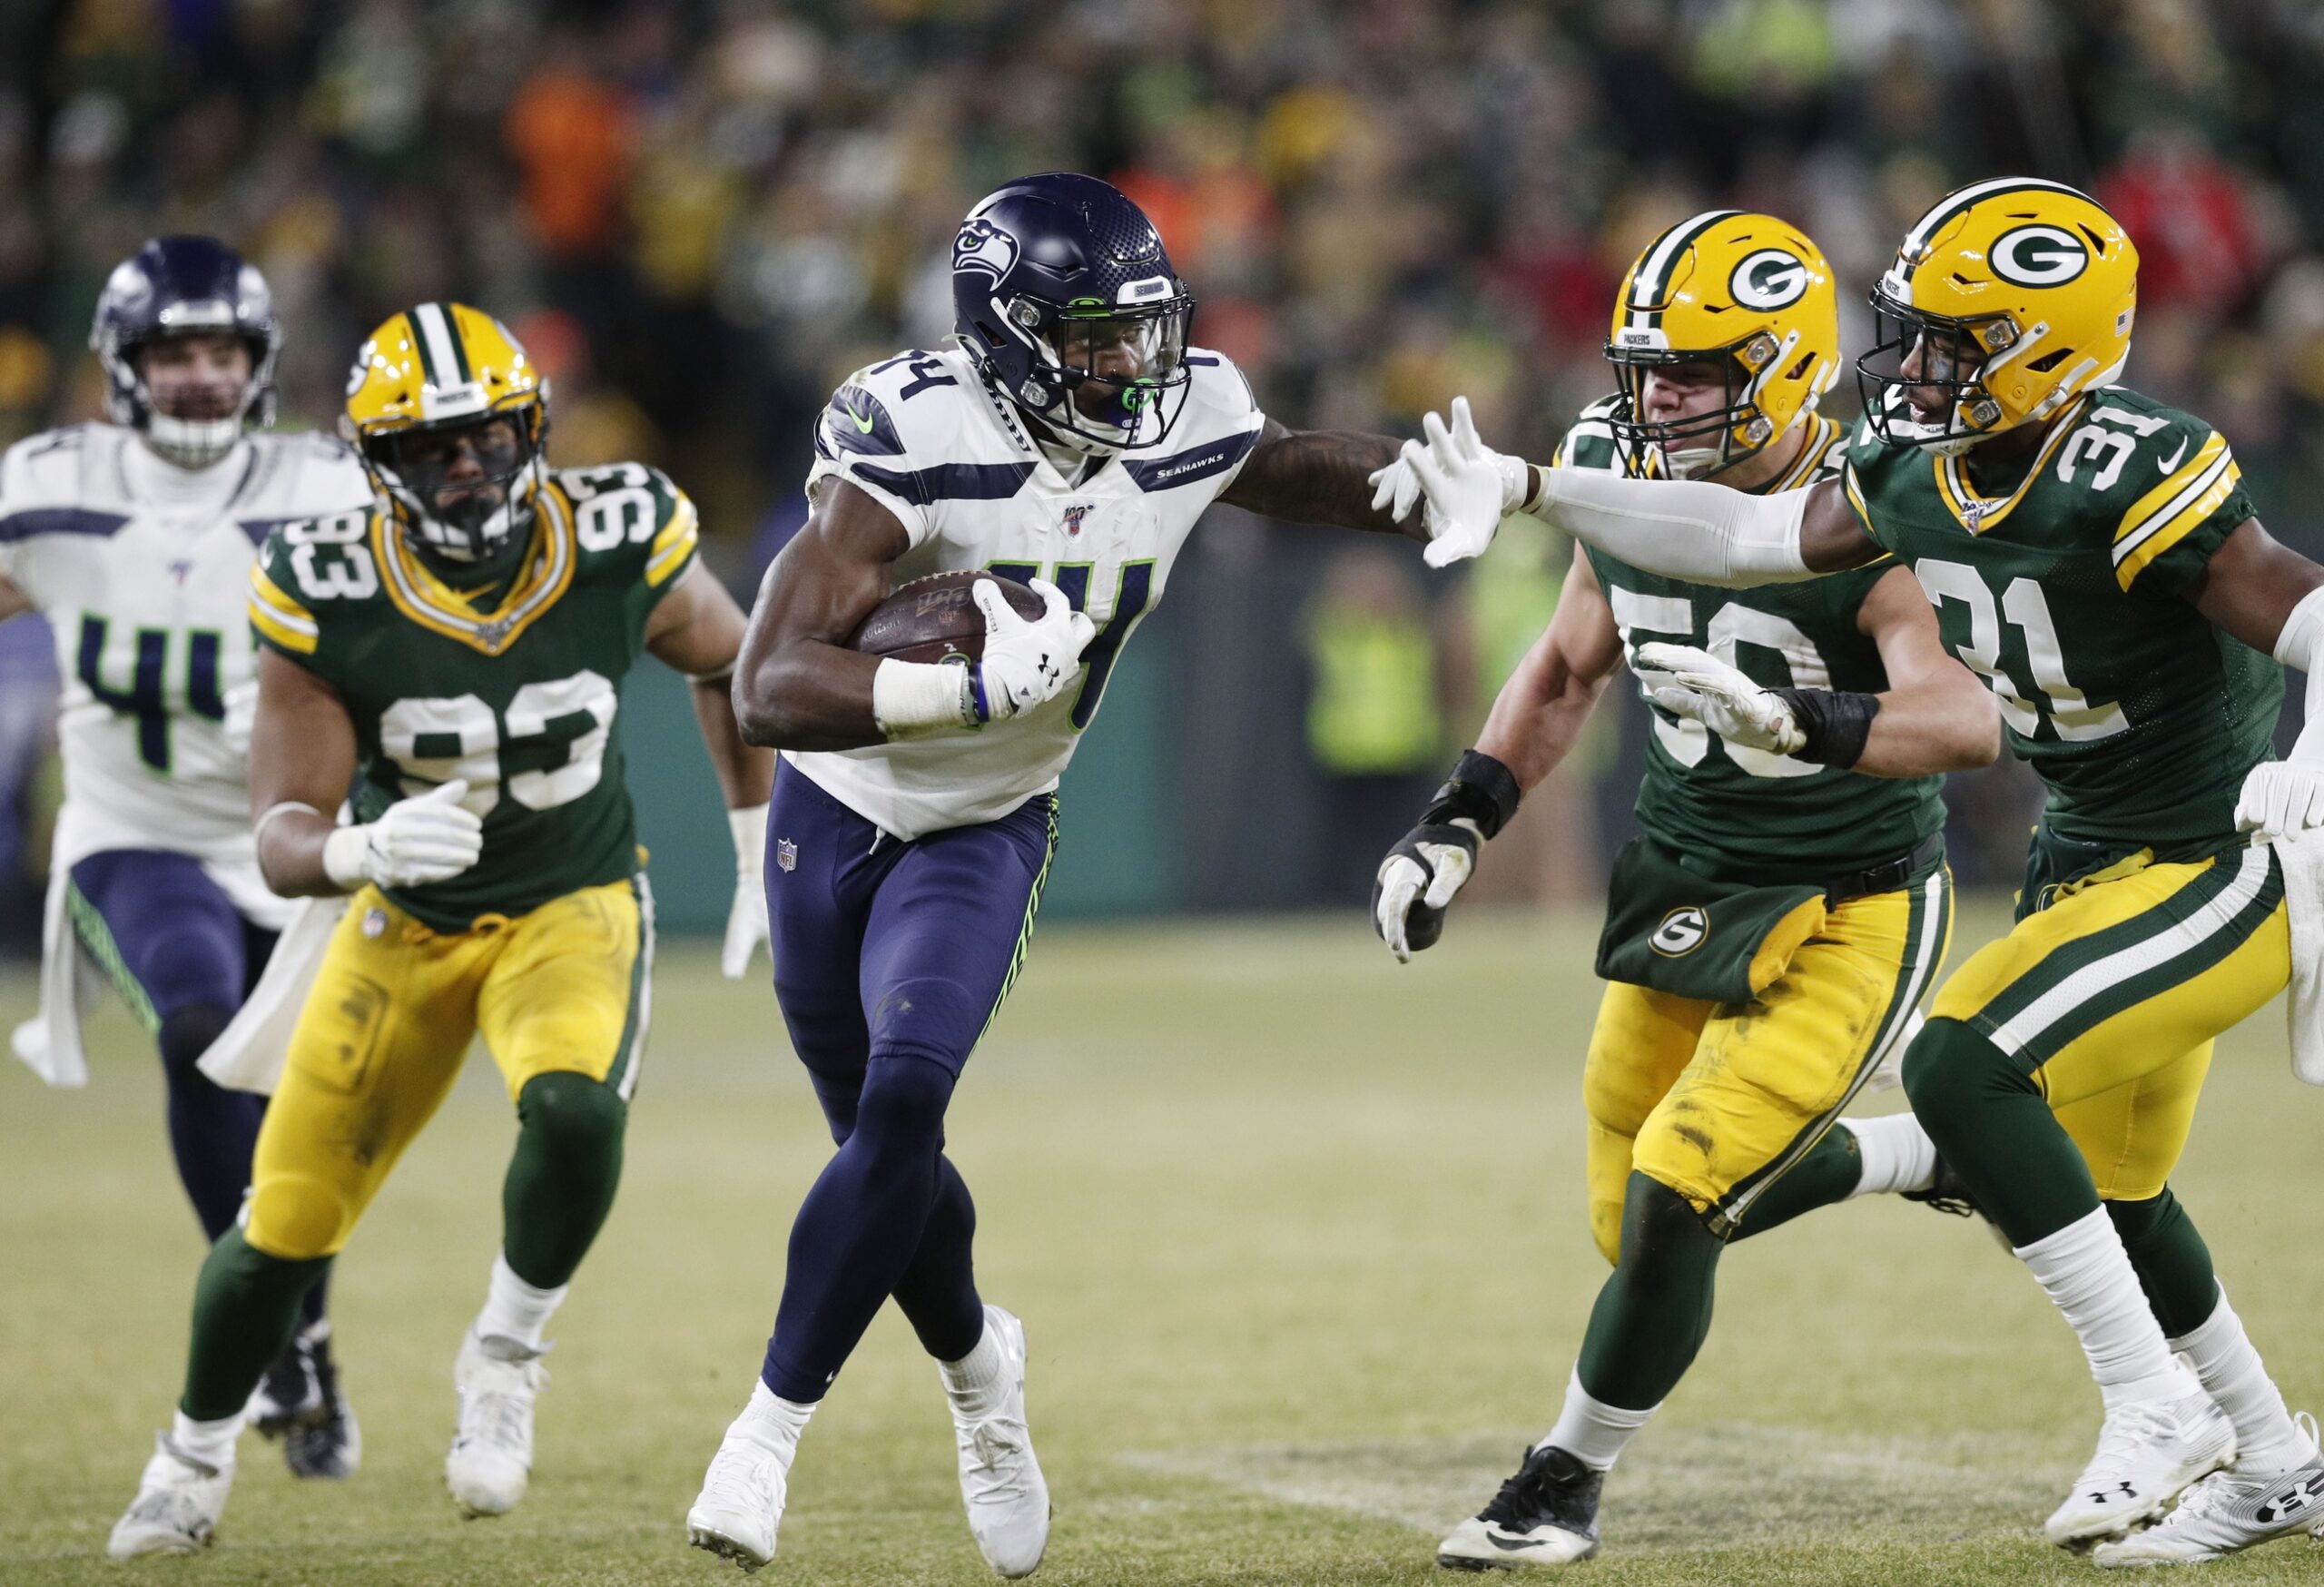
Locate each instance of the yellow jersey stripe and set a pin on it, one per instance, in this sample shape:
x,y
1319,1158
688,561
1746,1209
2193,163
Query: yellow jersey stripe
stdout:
x,y
2163,502
1855,497
2131,556
271,623
668,562
684,521
265,590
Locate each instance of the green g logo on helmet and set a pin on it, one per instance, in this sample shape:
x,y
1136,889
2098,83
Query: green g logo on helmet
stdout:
x,y
1769,280
2039,256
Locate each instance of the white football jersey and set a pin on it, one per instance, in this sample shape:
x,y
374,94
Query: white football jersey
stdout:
x,y
142,569
926,438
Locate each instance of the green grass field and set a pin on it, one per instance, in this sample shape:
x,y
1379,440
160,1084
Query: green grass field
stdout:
x,y
1299,1241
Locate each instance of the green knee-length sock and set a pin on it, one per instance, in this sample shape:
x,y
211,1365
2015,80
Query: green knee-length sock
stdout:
x,y
245,1308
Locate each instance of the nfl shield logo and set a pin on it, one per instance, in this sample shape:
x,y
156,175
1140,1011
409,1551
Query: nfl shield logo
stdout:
x,y
786,854
1073,517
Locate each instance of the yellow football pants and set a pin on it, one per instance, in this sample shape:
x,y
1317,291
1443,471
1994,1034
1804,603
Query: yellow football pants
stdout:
x,y
2111,995
387,1025
1717,1100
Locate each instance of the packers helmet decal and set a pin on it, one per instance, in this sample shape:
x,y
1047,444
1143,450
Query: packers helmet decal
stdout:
x,y
1746,293
2014,296
437,379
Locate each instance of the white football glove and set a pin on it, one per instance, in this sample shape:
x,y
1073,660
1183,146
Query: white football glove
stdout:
x,y
429,838
1693,682
1026,662
1469,487
1427,867
746,924
2280,799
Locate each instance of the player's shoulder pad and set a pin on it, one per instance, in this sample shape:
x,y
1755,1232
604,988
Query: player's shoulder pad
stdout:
x,y
904,406
632,518
2156,474
46,469
1218,394
1217,426
310,569
301,474
1589,442
56,483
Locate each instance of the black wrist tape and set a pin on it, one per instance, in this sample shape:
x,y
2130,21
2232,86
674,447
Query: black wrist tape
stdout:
x,y
1481,789
1835,725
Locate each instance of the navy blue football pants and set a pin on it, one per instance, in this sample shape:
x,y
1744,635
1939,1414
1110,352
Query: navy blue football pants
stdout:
x,y
184,958
889,959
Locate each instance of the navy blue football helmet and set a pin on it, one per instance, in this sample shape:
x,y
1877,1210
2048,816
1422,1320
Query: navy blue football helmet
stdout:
x,y
1065,297
176,286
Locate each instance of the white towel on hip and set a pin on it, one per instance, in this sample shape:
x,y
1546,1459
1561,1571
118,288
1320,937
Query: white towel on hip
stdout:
x,y
249,1052
50,1041
2302,859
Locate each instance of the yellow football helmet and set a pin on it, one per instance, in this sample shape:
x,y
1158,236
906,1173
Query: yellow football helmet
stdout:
x,y
1747,292
2017,293
437,387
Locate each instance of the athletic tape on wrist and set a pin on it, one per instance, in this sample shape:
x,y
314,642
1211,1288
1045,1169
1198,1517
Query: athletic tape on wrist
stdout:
x,y
1835,725
1481,789
910,699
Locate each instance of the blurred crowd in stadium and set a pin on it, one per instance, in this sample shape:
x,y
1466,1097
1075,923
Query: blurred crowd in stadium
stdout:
x,y
699,216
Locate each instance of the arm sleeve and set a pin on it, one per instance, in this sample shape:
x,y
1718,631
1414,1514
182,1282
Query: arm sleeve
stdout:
x,y
857,439
1679,529
2166,536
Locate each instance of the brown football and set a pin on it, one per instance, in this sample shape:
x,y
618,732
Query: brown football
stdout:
x,y
934,618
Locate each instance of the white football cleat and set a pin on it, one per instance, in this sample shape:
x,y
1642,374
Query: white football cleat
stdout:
x,y
2147,1453
1001,1485
491,1457
2227,1512
178,1504
740,1507
1547,1514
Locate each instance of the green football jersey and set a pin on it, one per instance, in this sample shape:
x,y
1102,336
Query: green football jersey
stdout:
x,y
2066,594
1741,814
521,700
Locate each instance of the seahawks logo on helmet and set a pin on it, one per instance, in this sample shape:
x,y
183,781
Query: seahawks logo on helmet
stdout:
x,y
2039,256
1769,280
1682,931
982,245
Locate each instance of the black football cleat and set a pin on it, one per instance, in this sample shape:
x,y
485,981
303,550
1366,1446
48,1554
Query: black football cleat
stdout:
x,y
298,1402
1547,1514
1947,1193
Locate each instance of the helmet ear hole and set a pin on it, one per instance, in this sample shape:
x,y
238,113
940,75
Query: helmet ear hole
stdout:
x,y
2049,361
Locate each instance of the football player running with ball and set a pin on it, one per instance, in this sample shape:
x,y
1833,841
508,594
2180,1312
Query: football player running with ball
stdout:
x,y
2093,554
1069,440
454,650
1771,934
136,539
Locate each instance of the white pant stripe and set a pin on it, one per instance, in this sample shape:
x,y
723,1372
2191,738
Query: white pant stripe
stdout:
x,y
2027,1025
